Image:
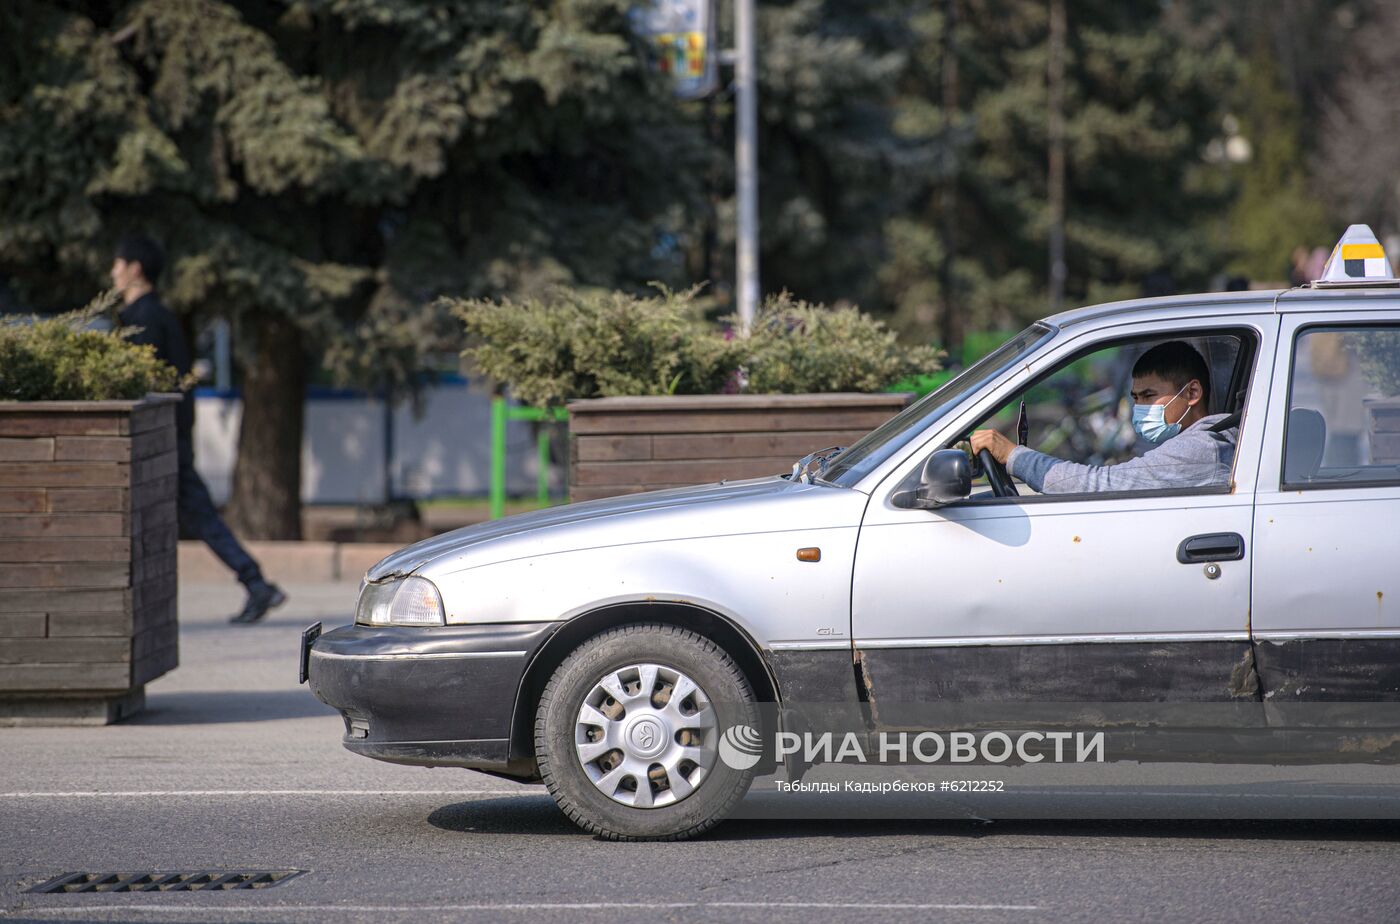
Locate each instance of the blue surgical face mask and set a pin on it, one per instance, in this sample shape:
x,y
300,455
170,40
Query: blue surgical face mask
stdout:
x,y
1150,420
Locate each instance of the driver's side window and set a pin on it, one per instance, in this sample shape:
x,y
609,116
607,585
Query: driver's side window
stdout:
x,y
1082,411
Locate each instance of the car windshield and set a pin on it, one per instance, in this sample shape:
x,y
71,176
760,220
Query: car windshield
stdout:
x,y
879,444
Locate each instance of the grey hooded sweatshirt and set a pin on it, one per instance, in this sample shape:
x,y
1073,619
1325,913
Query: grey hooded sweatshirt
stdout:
x,y
1196,457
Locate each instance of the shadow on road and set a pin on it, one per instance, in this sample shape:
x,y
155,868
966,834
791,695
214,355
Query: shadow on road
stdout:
x,y
205,707
529,815
1182,829
535,815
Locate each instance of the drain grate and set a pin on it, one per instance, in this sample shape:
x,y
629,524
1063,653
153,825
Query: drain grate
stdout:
x,y
204,880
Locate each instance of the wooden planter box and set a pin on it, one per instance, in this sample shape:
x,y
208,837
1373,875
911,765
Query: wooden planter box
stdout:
x,y
1383,422
87,557
627,445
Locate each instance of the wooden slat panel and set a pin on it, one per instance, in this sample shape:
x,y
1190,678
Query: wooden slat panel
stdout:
x,y
160,619
152,417
147,669
36,423
682,472
65,575
155,563
735,422
839,400
83,625
154,601
65,650
22,625
23,500
597,492
160,491
92,525
38,449
153,443
154,468
612,448
741,445
64,677
87,500
1385,445
156,638
65,550
64,474
1385,417
154,516
65,601
92,449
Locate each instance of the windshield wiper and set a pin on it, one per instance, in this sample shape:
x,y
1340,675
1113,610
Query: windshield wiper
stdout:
x,y
810,467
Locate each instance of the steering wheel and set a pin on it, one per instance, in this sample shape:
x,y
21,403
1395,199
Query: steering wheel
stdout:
x,y
997,476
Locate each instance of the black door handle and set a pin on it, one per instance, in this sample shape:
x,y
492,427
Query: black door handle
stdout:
x,y
1211,547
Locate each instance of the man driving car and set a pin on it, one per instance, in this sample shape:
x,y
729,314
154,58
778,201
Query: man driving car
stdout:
x,y
1171,390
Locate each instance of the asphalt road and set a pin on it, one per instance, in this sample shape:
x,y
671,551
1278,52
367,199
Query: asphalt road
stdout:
x,y
234,766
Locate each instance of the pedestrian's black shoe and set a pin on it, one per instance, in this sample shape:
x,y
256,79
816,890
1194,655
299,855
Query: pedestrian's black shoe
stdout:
x,y
262,597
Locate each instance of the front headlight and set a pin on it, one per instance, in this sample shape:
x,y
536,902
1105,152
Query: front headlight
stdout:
x,y
410,601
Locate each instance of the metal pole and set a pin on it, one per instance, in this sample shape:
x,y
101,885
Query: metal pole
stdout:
x,y
951,327
746,162
498,457
1056,132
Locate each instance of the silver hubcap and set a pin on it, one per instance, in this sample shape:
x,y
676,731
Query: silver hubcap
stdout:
x,y
646,735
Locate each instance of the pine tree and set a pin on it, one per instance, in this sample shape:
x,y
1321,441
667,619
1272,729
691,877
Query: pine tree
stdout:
x,y
321,169
1144,94
1358,159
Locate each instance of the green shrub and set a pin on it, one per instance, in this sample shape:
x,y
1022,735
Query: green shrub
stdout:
x,y
795,347
590,344
56,359
1379,353
579,343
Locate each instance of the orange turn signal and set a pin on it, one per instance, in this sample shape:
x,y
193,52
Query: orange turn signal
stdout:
x,y
811,554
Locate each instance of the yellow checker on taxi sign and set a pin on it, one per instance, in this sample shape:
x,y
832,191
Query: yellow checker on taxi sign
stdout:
x,y
1357,260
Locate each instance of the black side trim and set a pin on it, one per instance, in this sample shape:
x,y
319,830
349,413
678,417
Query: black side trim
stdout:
x,y
472,752
1330,670
1084,672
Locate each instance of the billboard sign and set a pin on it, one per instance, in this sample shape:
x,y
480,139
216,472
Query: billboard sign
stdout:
x,y
682,33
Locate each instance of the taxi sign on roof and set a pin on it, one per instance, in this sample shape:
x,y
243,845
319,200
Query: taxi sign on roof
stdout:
x,y
1357,260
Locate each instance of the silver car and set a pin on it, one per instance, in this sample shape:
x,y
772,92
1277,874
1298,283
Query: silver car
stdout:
x,y
605,647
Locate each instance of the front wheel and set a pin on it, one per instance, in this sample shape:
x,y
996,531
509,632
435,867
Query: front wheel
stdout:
x,y
628,730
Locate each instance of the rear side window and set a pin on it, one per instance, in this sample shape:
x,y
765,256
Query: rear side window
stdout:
x,y
1343,424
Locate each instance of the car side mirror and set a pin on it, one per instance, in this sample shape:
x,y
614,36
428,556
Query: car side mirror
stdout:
x,y
945,479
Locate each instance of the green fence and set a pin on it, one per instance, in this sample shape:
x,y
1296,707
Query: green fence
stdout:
x,y
502,413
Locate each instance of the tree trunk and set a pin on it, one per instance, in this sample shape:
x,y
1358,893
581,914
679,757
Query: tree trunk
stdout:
x,y
266,501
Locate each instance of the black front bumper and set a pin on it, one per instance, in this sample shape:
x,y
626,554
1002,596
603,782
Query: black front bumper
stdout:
x,y
439,696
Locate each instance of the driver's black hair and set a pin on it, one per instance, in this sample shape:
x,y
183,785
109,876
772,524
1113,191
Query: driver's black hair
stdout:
x,y
1178,362
139,248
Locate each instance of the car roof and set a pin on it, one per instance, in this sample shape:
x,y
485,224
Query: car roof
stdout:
x,y
1213,304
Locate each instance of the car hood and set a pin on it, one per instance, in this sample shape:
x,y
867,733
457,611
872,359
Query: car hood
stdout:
x,y
755,505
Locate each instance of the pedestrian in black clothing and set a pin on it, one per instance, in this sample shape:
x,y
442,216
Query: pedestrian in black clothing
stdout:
x,y
135,271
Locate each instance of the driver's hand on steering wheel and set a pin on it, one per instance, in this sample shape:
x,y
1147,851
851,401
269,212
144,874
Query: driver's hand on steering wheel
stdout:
x,y
999,446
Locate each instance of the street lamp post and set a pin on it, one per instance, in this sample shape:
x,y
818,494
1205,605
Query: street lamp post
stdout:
x,y
746,162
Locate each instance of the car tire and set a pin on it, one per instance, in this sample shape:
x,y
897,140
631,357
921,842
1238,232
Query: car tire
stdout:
x,y
593,781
